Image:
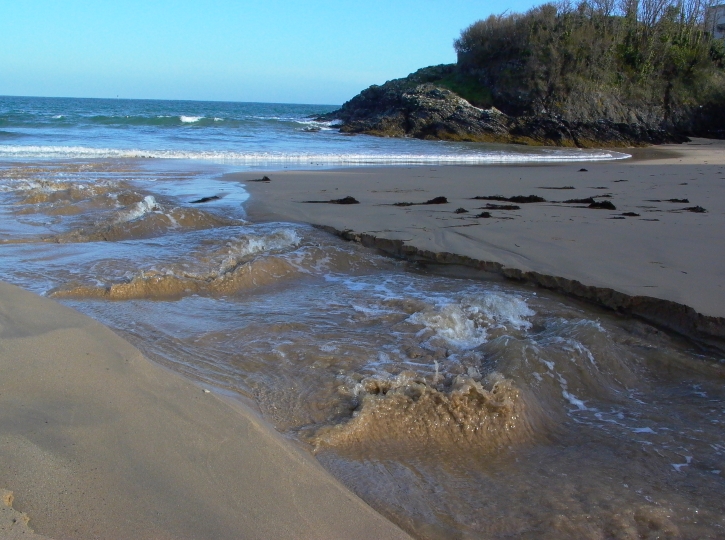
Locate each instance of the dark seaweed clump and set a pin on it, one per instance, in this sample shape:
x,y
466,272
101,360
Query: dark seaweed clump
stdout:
x,y
206,199
434,200
344,200
490,206
602,205
521,199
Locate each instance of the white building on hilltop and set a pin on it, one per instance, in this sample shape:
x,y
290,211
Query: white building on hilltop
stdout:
x,y
715,21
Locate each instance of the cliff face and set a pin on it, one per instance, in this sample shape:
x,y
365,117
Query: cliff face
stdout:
x,y
420,106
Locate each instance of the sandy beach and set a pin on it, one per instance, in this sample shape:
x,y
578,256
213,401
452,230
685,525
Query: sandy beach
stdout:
x,y
650,248
96,441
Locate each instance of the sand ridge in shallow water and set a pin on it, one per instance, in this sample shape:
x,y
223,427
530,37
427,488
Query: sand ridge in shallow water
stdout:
x,y
157,286
407,411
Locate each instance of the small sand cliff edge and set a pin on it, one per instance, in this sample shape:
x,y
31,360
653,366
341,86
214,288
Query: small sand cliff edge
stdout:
x,y
14,524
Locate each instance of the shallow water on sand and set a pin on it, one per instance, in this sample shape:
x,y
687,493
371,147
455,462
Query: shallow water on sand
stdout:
x,y
458,407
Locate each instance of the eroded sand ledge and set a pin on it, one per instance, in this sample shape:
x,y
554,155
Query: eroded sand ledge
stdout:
x,y
665,313
98,442
665,265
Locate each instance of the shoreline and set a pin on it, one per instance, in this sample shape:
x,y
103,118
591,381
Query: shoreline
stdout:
x,y
663,266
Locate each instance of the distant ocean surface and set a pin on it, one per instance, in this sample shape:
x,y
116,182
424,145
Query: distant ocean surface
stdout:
x,y
251,135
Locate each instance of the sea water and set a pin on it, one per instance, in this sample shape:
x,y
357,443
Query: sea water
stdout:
x,y
245,134
456,406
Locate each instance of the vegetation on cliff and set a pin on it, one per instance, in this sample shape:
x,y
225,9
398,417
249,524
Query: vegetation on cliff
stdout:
x,y
653,52
592,73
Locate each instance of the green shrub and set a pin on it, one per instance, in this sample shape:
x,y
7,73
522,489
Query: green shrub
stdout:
x,y
644,50
469,88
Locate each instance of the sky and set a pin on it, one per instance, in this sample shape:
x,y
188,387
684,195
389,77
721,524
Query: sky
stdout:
x,y
279,51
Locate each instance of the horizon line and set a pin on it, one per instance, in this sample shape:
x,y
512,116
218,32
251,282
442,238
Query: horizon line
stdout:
x,y
117,98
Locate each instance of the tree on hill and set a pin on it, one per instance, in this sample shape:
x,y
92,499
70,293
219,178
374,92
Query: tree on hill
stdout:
x,y
595,57
588,74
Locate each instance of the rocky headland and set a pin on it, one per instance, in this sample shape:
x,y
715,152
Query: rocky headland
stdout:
x,y
421,106
579,75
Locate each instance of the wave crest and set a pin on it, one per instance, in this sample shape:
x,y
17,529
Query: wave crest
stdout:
x,y
154,285
302,158
408,410
223,271
464,324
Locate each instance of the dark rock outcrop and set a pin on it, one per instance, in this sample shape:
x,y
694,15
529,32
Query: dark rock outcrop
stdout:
x,y
424,112
420,106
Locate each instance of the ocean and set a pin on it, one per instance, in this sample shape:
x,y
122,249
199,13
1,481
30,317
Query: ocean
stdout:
x,y
259,135
459,407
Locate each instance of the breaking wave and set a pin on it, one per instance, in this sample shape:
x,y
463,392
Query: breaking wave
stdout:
x,y
464,324
226,270
302,158
409,410
153,285
141,208
143,219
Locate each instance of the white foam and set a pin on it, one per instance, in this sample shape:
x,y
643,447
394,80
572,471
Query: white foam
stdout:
x,y
141,208
190,119
504,309
253,245
678,466
303,158
571,398
321,125
370,311
464,324
454,325
571,345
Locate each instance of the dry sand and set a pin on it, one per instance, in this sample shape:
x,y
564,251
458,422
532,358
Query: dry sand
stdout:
x,y
665,253
98,442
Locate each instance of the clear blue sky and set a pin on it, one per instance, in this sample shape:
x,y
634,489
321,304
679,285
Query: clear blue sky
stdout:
x,y
319,51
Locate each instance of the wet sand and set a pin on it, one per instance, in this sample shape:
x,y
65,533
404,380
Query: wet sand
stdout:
x,y
624,261
98,442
